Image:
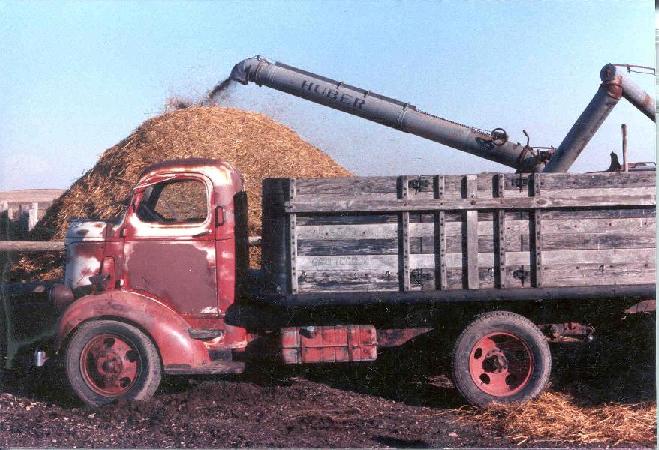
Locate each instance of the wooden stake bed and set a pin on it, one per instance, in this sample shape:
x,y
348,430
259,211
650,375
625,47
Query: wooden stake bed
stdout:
x,y
465,232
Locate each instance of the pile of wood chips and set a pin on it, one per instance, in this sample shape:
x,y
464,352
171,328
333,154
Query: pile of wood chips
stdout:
x,y
253,143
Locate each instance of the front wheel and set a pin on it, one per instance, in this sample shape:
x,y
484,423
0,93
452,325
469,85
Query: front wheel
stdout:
x,y
107,360
501,357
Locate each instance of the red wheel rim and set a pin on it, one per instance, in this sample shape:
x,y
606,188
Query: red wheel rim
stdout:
x,y
110,365
500,364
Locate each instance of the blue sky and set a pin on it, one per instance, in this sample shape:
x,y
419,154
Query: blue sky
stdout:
x,y
79,76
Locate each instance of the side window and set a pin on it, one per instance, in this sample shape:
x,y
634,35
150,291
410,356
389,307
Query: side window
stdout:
x,y
174,202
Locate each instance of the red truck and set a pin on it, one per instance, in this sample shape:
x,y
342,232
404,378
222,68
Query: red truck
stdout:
x,y
500,262
350,265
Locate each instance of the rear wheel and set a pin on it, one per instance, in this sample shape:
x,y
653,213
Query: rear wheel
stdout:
x,y
501,357
108,360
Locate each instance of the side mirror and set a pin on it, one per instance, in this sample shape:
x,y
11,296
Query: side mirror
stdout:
x,y
219,216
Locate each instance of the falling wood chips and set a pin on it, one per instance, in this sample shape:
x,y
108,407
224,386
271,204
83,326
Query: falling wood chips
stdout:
x,y
254,144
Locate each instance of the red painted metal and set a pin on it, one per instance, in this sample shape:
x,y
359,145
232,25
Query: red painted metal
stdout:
x,y
167,329
341,343
500,364
167,278
110,365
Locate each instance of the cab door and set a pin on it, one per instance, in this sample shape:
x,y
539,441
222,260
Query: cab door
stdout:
x,y
169,244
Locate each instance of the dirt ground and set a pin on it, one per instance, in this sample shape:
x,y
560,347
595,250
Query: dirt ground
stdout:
x,y
396,402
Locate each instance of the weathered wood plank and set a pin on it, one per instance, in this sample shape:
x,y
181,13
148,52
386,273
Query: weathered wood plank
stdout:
x,y
610,256
377,263
349,186
599,274
455,260
453,183
573,226
346,219
332,247
520,242
389,230
390,262
597,180
332,204
455,228
598,192
599,241
609,213
332,281
375,231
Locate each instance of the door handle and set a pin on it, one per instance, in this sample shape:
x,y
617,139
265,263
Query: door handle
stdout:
x,y
203,233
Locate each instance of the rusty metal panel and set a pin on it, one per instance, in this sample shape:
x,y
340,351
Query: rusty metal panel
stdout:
x,y
316,344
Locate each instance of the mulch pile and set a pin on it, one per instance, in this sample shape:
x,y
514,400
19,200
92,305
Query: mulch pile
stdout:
x,y
254,144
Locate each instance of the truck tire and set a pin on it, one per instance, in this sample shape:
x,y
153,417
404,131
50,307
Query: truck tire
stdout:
x,y
501,357
107,360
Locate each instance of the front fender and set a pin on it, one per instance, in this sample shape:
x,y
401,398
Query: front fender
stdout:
x,y
167,329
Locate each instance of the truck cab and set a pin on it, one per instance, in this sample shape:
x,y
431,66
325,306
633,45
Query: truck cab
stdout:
x,y
151,290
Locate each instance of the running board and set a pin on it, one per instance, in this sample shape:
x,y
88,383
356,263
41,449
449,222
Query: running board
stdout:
x,y
214,368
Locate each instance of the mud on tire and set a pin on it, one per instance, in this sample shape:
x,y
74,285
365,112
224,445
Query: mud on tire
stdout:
x,y
108,360
500,357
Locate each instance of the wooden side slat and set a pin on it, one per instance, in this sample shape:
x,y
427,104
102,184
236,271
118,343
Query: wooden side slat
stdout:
x,y
440,236
404,237
499,238
471,236
536,234
293,240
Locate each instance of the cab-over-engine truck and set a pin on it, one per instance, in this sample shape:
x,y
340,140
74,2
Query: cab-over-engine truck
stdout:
x,y
351,265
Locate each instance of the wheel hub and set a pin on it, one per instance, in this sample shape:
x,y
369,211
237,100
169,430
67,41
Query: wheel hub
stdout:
x,y
500,364
110,364
495,361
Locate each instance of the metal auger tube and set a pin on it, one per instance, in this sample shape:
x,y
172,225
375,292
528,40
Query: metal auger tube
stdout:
x,y
615,85
386,111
